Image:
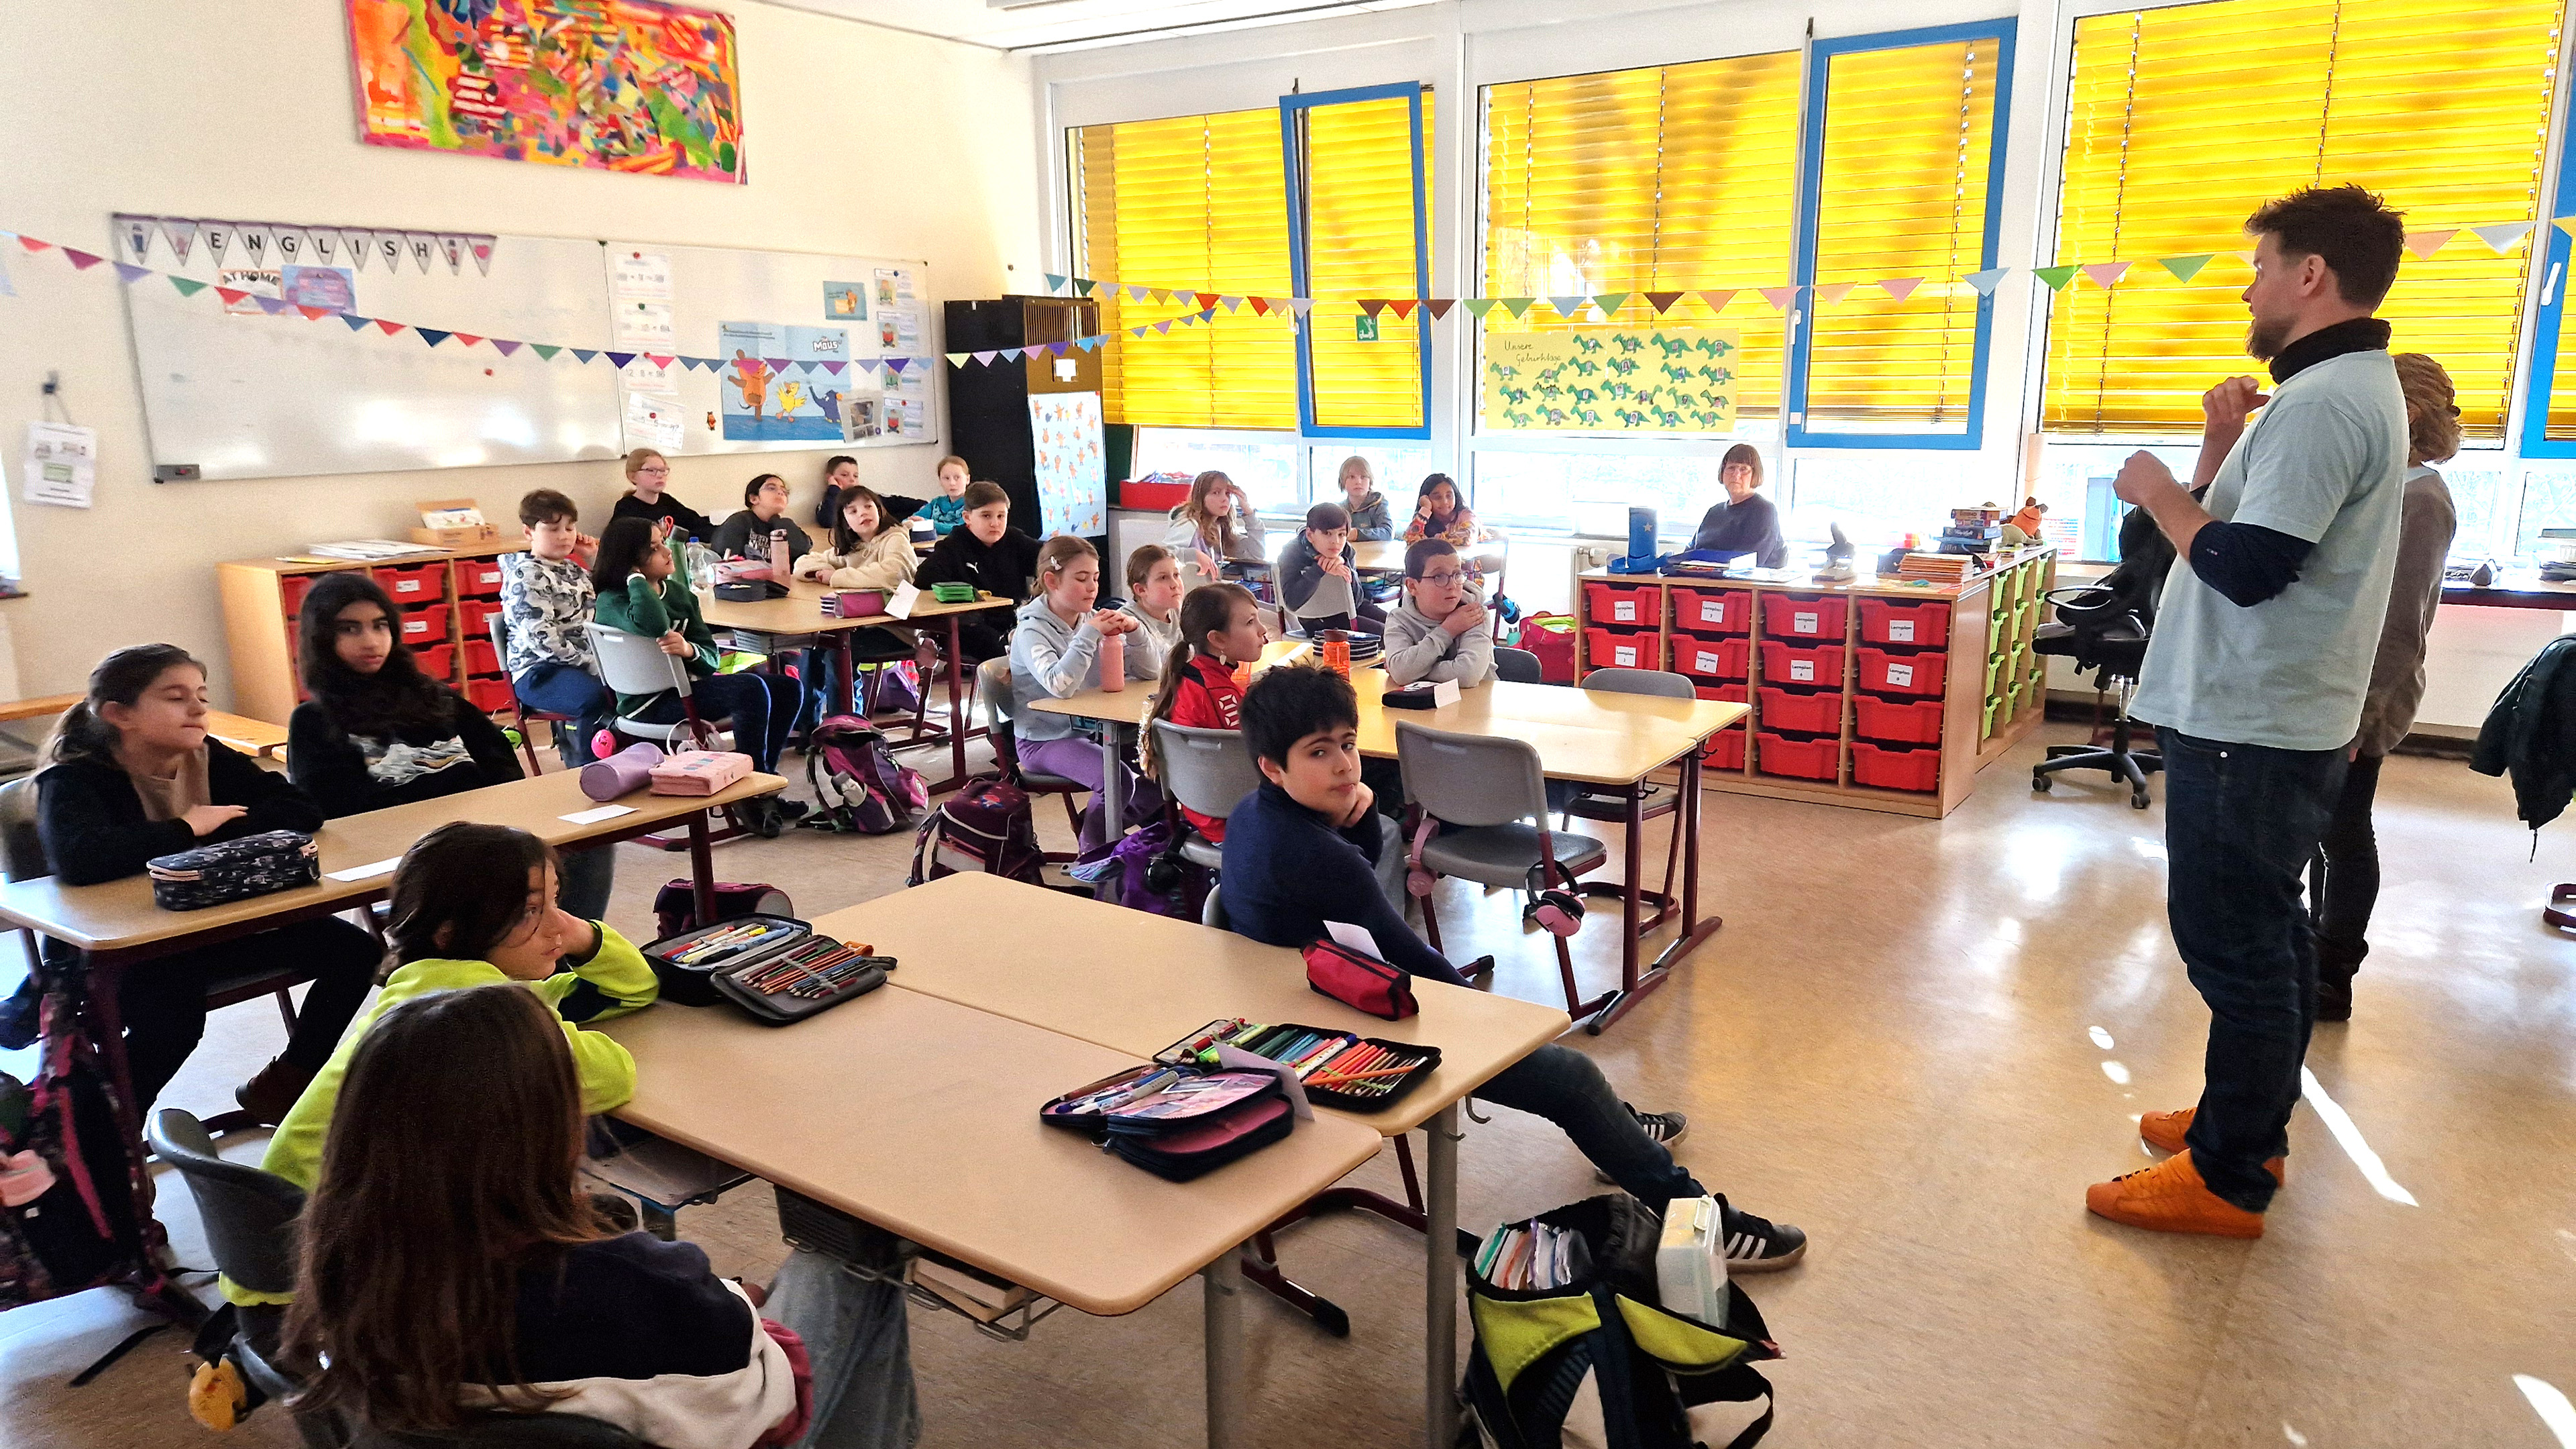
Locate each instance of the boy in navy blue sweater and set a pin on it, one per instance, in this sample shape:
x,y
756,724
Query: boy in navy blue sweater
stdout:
x,y
1300,851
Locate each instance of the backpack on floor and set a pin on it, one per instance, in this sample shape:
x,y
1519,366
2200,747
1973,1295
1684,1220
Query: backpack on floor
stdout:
x,y
72,1196
986,826
894,687
675,905
858,786
1599,1364
1144,871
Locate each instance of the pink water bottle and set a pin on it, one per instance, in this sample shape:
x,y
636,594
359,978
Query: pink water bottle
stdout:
x,y
778,554
1113,663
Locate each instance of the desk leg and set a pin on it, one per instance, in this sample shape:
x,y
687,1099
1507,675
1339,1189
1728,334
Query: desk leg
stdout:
x,y
957,717
1440,1282
702,869
1690,843
1113,783
1694,930
1224,1308
845,694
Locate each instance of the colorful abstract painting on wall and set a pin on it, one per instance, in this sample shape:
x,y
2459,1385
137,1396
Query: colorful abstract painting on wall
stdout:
x,y
620,85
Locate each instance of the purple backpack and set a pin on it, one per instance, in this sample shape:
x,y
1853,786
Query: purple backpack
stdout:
x,y
986,826
857,783
894,687
1143,872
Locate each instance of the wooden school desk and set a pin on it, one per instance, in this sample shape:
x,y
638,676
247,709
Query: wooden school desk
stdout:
x,y
1122,713
800,615
920,1116
1136,983
1610,741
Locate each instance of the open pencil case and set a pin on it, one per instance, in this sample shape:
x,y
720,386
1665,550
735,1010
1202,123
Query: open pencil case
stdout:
x,y
773,967
1322,1057
1177,1122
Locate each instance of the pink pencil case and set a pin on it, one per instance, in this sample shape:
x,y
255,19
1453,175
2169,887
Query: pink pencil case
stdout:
x,y
855,603
699,772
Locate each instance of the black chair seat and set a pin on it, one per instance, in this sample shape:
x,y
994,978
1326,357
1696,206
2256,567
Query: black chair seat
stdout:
x,y
1042,784
1614,809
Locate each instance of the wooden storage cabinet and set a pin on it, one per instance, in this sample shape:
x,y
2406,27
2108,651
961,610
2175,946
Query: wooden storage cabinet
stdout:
x,y
1876,695
444,601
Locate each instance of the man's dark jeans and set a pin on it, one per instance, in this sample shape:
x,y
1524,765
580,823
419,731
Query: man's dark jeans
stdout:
x,y
2241,822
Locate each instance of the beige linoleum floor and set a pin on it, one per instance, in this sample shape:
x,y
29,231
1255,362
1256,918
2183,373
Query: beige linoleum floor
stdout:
x,y
1917,1040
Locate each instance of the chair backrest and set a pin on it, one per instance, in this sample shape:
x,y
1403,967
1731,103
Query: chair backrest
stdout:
x,y
634,664
993,687
1210,771
1470,780
1660,682
497,624
1212,913
1518,666
249,1214
22,846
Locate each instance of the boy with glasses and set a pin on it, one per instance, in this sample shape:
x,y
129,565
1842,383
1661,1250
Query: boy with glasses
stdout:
x,y
1438,633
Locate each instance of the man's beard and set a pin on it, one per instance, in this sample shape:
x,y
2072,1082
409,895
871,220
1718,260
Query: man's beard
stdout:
x,y
2263,339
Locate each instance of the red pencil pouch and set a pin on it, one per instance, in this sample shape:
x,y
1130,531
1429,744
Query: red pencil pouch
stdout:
x,y
1361,982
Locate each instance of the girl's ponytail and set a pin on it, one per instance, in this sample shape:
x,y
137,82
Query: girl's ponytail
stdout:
x,y
121,678
1203,611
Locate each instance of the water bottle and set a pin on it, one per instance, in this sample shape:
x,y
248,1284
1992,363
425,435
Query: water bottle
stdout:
x,y
778,554
1113,663
700,562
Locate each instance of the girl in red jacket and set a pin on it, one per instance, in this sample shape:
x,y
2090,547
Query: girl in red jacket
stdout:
x,y
1220,629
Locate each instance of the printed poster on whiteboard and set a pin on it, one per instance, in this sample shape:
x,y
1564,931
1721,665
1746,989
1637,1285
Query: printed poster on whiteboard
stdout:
x,y
1073,473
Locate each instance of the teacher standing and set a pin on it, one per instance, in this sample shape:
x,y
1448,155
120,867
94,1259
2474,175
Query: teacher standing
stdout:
x,y
1746,522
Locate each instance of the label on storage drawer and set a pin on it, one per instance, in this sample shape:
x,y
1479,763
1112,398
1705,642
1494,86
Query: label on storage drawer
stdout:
x,y
409,584
1901,631
1624,610
1901,675
1712,611
1803,621
1624,655
1706,661
1803,670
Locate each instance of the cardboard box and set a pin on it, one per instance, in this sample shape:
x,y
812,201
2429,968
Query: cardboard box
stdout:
x,y
444,523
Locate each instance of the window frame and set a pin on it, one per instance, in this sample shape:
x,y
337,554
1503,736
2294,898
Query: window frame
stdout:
x,y
1291,109
2540,373
1793,389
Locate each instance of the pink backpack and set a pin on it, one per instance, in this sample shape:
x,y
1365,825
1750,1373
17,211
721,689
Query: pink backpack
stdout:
x,y
858,785
985,826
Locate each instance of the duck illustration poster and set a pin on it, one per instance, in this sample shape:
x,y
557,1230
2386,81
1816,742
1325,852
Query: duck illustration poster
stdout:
x,y
782,383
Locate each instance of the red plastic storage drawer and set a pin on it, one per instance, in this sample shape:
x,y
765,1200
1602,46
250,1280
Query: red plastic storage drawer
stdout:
x,y
1724,750
1820,664
291,589
438,661
481,657
478,578
1619,604
475,616
1912,722
1902,673
1622,649
422,627
1804,759
1713,658
1812,710
490,694
1157,497
417,584
1891,621
1892,769
1713,611
1795,616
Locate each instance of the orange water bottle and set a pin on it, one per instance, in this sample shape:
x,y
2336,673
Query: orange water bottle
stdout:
x,y
1113,663
1337,650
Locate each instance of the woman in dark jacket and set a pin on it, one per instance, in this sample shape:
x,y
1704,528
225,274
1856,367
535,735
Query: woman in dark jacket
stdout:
x,y
1746,522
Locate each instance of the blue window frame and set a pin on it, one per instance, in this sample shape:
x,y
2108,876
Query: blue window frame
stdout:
x,y
1292,113
1801,359
2542,377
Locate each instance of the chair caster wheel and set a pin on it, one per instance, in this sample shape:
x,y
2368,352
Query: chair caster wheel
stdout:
x,y
2039,782
2137,799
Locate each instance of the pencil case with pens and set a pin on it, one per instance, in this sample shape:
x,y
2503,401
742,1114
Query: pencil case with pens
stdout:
x,y
1337,1068
1177,1122
775,968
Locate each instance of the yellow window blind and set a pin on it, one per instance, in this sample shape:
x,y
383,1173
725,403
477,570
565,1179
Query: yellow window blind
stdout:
x,y
1359,243
1670,178
2183,120
1196,203
1907,152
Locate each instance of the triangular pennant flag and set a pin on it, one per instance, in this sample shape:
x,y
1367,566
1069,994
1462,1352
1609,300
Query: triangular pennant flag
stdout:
x,y
1139,293
1517,306
361,245
1439,306
1140,331
1188,319
986,358
388,328
545,351
1610,302
423,245
620,359
356,322
81,259
1163,328
2056,277
218,235
1779,297
137,236
481,249
1477,307
1206,300
1662,302
776,364
314,314
1986,281
896,364
273,305
1011,354
1055,282
1716,301
2106,274
129,273
187,286
1404,307
957,359
180,232
1372,306
584,354
834,368
325,244
2185,268
1082,286
290,246
466,339
431,335
2504,236
1161,295
660,359
232,298
2428,241
1900,287
1260,306
1569,306
31,244
505,346
2246,257
1301,305
254,238
1835,291
1231,302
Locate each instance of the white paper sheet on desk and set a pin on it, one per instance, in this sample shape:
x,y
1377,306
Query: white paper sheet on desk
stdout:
x,y
901,605
1445,694
1355,937
1240,1060
367,872
596,814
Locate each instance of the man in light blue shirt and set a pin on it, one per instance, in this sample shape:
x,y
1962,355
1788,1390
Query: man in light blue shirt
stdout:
x,y
2255,678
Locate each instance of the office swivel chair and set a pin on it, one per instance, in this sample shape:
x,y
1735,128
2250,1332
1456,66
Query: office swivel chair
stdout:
x,y
2104,627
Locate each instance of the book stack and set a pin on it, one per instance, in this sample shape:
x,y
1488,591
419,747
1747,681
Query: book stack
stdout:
x,y
1534,1257
1938,568
979,1296
1972,530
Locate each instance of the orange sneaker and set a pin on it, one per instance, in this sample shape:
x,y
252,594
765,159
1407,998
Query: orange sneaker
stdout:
x,y
2164,1131
2170,1198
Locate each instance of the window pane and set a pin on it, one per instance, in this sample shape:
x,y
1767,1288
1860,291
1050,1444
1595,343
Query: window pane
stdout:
x,y
1399,473
1878,499
1590,493
1265,470
1359,243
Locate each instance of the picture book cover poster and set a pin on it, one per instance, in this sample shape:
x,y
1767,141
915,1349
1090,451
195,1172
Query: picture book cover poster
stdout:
x,y
1073,473
616,85
782,383
1605,380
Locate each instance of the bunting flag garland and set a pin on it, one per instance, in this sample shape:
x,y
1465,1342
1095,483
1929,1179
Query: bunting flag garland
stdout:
x,y
1403,308
1986,281
1900,288
545,351
1611,302
1835,291
129,273
2106,274
1439,307
584,354
2424,243
1477,307
1662,302
505,346
2502,237
387,327
188,286
1780,297
1055,283
1716,301
81,259
2056,277
356,322
466,339
1372,306
1567,306
432,335
2185,268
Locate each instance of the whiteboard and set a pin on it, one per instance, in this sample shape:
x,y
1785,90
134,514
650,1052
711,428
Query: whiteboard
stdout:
x,y
265,397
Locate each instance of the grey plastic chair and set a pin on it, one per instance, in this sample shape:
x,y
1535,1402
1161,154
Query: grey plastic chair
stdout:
x,y
1518,666
1209,771
631,664
1488,788
1212,912
1592,803
993,687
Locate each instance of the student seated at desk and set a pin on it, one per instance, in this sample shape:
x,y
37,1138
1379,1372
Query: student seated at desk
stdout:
x,y
1438,633
641,592
1299,852
546,599
947,508
1319,577
1217,525
989,554
1055,654
764,512
129,775
452,1264
1154,601
870,547
1220,629
646,474
1746,522
378,732
1370,521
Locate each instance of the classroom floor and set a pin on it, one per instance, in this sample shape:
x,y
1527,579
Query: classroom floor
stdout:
x,y
1919,1041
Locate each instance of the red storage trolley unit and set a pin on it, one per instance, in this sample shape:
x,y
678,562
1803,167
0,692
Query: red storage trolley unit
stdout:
x,y
1898,721
1803,616
1622,649
1624,605
1893,671
1893,621
1785,663
1889,768
1712,611
1797,757
1712,659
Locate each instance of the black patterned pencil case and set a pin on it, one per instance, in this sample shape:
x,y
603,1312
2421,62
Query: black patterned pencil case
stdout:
x,y
234,870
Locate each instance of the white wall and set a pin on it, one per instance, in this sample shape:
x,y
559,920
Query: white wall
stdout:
x,y
860,140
